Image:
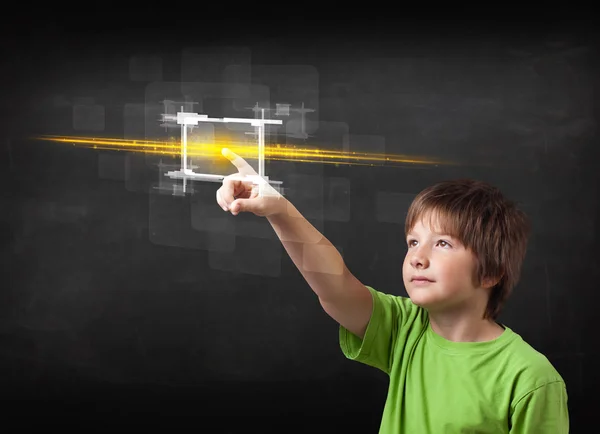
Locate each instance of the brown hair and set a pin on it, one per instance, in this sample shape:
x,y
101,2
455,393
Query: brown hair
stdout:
x,y
486,222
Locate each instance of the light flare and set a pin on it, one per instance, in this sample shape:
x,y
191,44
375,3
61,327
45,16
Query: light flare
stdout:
x,y
212,150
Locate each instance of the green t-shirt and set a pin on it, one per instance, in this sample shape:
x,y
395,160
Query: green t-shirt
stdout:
x,y
439,386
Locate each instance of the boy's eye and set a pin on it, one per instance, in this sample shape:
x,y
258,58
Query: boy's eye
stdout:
x,y
441,243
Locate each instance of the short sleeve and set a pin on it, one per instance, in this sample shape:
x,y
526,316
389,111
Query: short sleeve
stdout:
x,y
542,411
391,320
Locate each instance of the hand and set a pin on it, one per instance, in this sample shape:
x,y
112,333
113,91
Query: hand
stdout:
x,y
240,191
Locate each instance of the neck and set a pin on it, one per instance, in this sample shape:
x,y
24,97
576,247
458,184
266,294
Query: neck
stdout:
x,y
464,327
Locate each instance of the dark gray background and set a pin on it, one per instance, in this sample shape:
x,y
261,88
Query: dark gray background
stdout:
x,y
119,305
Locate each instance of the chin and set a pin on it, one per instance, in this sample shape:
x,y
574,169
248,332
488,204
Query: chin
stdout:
x,y
421,298
417,298
421,302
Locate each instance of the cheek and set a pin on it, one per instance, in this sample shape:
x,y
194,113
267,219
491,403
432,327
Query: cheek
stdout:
x,y
451,276
405,264
405,270
457,274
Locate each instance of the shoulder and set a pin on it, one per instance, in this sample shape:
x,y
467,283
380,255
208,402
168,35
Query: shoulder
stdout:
x,y
531,368
539,400
398,307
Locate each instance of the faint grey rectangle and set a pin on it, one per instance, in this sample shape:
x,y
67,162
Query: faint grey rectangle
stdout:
x,y
208,64
83,100
111,166
239,98
290,83
170,97
163,98
306,193
145,68
328,138
201,90
134,121
88,117
251,256
208,216
300,125
392,207
337,202
169,225
137,174
237,74
222,242
297,85
166,183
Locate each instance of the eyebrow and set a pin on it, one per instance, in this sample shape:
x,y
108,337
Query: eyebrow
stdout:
x,y
435,233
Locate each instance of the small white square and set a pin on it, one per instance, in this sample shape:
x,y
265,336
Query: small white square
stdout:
x,y
282,109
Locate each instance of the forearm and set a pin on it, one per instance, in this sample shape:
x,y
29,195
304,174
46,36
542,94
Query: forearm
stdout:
x,y
316,258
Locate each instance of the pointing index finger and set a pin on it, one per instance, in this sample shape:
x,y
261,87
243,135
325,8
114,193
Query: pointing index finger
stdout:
x,y
241,164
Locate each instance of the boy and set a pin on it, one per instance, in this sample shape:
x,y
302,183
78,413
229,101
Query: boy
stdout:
x,y
452,367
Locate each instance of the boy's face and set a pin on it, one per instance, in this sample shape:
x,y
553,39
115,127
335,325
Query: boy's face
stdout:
x,y
438,271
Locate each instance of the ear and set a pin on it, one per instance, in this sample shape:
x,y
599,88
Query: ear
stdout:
x,y
490,282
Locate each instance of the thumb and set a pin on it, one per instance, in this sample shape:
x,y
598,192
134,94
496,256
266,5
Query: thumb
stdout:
x,y
242,205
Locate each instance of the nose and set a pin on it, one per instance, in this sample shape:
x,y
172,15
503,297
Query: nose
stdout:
x,y
419,258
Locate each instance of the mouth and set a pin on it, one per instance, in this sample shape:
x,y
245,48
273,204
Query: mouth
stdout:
x,y
421,280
